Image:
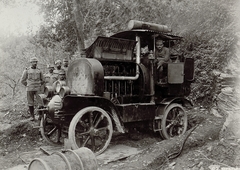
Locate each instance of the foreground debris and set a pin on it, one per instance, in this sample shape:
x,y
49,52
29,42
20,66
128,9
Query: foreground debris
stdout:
x,y
157,154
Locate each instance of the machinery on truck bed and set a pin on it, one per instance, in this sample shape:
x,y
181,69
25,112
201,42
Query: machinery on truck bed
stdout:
x,y
115,87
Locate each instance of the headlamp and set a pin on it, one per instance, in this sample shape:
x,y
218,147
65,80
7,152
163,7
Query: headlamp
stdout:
x,y
48,91
55,103
65,90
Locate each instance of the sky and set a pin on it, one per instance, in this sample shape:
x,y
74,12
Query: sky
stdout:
x,y
19,18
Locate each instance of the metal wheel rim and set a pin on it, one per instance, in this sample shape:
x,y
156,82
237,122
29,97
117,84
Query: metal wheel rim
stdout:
x,y
174,121
50,132
86,129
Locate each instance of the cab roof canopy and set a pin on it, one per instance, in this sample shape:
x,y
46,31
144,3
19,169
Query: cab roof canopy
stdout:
x,y
146,30
145,33
127,39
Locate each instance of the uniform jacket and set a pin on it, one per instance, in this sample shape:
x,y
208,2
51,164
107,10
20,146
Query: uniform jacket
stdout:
x,y
50,78
57,71
65,69
32,79
163,54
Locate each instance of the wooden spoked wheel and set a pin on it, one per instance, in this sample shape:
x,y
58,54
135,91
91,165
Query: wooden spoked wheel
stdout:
x,y
51,132
174,121
91,127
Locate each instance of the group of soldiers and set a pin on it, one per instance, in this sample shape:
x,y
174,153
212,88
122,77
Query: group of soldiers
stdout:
x,y
34,79
57,73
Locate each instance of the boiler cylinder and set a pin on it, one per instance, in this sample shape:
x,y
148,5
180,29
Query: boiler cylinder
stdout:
x,y
85,76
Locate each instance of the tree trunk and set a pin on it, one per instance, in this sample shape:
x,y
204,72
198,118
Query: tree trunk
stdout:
x,y
78,20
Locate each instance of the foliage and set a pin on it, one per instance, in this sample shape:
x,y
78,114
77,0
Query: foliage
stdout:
x,y
60,25
15,54
210,41
207,27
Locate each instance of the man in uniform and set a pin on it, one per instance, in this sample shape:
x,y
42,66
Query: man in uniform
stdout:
x,y
163,57
65,64
50,77
162,53
32,78
61,79
62,75
58,64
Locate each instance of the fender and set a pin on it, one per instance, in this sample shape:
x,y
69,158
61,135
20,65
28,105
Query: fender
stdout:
x,y
180,100
77,102
164,103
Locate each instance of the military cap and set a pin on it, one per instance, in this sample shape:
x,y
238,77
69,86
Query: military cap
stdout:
x,y
62,72
33,59
58,61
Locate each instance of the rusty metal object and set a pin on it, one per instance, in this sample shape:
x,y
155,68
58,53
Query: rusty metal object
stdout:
x,y
134,24
80,159
174,121
91,127
85,77
115,86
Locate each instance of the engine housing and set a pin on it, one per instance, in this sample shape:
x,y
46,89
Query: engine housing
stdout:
x,y
85,76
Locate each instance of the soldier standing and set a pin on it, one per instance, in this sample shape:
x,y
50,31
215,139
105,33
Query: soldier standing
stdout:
x,y
65,64
50,77
32,78
62,76
58,64
58,67
61,79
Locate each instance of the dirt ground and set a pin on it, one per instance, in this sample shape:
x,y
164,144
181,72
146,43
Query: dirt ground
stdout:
x,y
18,135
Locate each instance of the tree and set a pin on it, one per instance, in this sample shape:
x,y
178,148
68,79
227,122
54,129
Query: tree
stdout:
x,y
79,26
207,26
60,25
9,78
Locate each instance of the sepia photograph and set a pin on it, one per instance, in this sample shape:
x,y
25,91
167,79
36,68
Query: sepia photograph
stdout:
x,y
119,85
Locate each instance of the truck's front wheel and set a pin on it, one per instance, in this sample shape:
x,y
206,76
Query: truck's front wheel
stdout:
x,y
91,127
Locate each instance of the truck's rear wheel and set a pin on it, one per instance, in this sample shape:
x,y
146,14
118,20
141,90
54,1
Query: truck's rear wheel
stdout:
x,y
174,121
91,127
